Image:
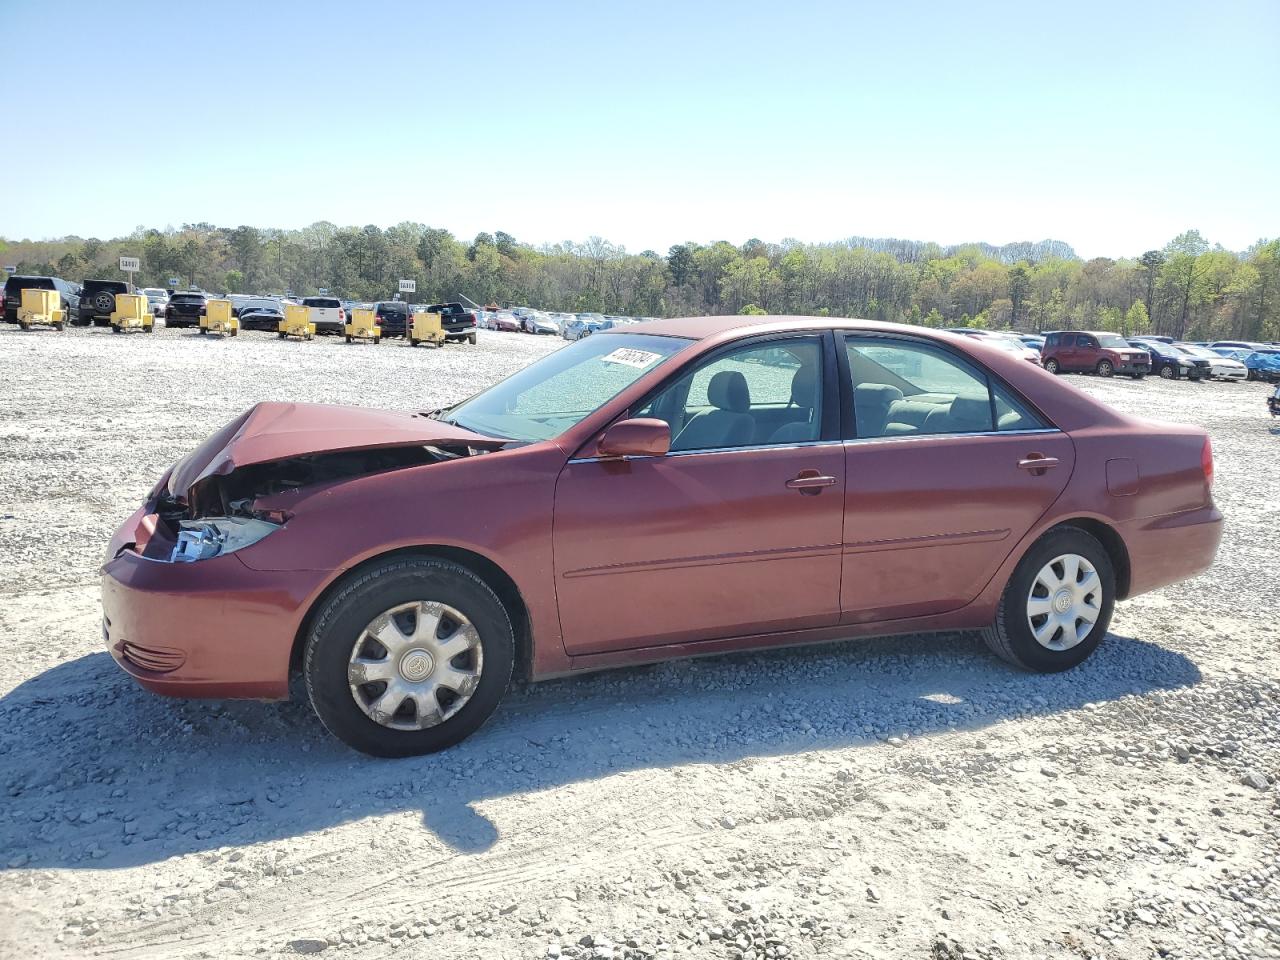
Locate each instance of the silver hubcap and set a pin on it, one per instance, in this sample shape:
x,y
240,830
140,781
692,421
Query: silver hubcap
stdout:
x,y
1064,602
415,665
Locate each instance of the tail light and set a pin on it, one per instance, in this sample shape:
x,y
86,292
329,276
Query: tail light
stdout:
x,y
1206,462
342,314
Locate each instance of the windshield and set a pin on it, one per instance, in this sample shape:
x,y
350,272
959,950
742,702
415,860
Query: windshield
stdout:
x,y
261,305
1113,342
548,397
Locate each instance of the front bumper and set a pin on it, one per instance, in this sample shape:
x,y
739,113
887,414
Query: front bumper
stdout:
x,y
1133,366
214,628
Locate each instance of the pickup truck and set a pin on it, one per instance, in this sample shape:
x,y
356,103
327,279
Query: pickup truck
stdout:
x,y
326,313
458,322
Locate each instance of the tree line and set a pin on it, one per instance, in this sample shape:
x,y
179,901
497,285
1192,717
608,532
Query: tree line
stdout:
x,y
1187,289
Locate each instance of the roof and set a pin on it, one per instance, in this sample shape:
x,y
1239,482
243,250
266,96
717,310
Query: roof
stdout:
x,y
699,328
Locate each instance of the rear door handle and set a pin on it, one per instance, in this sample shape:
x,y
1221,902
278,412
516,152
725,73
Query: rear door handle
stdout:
x,y
1037,464
810,481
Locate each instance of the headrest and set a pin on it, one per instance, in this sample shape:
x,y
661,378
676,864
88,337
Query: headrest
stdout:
x,y
728,390
804,388
881,394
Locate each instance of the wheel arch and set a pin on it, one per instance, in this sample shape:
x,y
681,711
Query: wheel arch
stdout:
x,y
1111,541
492,574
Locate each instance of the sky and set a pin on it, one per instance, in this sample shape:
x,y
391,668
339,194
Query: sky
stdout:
x,y
1112,126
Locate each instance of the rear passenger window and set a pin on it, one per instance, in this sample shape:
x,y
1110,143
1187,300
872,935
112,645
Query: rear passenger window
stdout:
x,y
903,388
1011,414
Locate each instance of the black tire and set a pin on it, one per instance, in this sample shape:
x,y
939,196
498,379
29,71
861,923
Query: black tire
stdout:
x,y
472,339
1105,368
1051,364
282,336
1010,636
1251,375
357,602
1139,376
348,339
204,331
1168,371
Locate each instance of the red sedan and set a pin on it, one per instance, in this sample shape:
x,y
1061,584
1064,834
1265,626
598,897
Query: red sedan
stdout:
x,y
660,490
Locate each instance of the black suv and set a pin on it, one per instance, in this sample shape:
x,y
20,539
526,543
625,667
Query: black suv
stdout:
x,y
459,323
184,309
98,301
393,317
14,286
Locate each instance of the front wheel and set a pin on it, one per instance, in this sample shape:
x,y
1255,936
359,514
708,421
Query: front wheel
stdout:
x,y
1105,368
1057,606
1051,365
409,656
1167,372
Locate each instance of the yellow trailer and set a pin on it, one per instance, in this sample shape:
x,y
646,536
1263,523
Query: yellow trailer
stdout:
x,y
41,307
426,329
131,313
218,318
297,322
363,325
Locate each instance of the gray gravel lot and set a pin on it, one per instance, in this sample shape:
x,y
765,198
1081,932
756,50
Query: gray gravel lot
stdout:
x,y
911,797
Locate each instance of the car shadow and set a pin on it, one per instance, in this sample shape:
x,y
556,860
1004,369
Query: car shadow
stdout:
x,y
98,773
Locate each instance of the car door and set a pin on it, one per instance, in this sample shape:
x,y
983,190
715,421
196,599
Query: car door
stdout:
x,y
735,531
1067,355
946,470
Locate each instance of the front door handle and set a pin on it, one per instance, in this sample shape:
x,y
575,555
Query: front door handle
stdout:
x,y
1037,464
811,482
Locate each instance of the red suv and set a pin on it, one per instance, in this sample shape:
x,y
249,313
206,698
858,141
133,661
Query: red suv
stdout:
x,y
1106,354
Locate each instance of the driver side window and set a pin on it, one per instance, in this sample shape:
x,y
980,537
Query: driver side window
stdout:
x,y
764,393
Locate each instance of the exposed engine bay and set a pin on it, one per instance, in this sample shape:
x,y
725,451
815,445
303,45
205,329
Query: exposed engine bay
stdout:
x,y
220,513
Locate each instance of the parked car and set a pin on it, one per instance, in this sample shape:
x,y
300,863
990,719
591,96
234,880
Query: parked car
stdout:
x,y
14,285
393,317
1273,403
459,323
1034,341
157,299
538,322
1236,344
1220,367
185,308
1171,363
1263,364
1085,351
326,313
410,564
261,313
98,301
582,325
504,320
1012,345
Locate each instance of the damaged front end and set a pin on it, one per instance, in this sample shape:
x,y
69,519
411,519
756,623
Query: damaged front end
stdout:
x,y
238,487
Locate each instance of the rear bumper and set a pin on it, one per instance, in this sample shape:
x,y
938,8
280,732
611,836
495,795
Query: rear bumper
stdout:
x,y
1165,550
209,629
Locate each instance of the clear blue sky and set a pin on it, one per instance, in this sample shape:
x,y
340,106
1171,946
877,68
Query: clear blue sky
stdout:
x,y
1111,125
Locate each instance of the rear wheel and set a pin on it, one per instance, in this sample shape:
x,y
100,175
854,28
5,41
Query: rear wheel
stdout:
x,y
1057,606
472,339
1051,365
1105,368
408,657
1139,376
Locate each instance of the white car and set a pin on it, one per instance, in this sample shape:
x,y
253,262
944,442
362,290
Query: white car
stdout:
x,y
1224,368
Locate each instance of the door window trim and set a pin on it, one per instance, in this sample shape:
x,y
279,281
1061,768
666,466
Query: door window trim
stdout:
x,y
848,419
828,434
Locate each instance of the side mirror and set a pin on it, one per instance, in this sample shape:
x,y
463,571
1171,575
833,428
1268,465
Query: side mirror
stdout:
x,y
638,437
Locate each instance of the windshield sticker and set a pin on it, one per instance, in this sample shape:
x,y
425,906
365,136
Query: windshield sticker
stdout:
x,y
632,358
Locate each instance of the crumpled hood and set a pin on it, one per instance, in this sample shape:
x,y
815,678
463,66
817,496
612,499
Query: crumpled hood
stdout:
x,y
277,431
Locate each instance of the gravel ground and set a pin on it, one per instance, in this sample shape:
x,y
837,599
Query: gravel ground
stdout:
x,y
899,798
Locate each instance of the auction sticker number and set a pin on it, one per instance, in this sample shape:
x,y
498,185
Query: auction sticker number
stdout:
x,y
632,358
